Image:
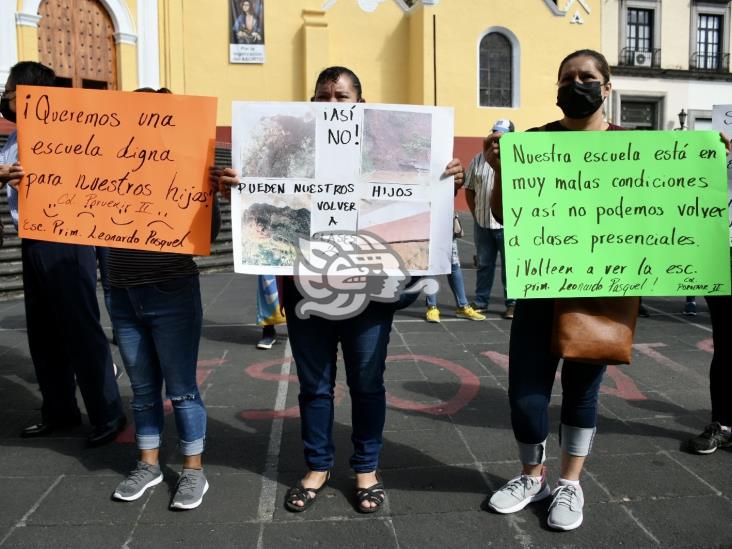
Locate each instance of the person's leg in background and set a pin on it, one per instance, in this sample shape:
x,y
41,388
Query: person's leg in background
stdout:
x,y
86,341
457,285
433,313
501,245
54,373
718,434
485,247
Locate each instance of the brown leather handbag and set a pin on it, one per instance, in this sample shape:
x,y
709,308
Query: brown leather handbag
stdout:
x,y
595,330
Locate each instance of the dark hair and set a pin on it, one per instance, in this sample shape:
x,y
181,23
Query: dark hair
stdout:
x,y
153,90
332,74
600,62
31,73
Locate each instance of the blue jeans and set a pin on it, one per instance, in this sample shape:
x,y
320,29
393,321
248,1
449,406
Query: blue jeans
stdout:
x,y
488,244
314,342
454,279
531,371
158,328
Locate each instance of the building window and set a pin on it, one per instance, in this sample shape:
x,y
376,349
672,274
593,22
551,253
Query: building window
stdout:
x,y
496,71
709,36
640,33
708,41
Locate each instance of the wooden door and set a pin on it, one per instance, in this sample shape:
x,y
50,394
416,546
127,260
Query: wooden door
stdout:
x,y
76,39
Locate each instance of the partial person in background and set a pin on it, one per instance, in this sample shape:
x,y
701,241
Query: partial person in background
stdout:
x,y
269,313
65,338
690,306
455,280
718,434
488,233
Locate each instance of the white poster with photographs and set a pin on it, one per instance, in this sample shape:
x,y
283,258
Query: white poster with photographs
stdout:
x,y
314,170
246,31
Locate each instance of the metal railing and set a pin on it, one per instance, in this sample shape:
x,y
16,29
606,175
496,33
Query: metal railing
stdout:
x,y
631,57
713,62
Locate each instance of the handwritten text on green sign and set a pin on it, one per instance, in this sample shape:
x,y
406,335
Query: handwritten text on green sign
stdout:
x,y
615,213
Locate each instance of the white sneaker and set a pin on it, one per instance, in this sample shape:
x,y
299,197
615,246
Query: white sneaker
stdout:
x,y
565,510
518,492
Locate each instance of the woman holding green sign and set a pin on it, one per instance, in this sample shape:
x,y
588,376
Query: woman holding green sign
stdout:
x,y
584,84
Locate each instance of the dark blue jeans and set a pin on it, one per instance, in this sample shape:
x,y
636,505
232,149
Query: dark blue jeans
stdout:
x,y
66,340
158,328
531,371
488,245
314,342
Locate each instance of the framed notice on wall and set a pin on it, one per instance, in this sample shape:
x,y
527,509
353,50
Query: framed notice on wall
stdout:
x,y
246,31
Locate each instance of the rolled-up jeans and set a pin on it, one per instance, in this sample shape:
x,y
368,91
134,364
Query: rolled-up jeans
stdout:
x,y
158,329
531,371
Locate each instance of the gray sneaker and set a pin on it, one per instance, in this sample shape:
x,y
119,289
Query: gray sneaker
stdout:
x,y
142,477
517,493
565,510
192,485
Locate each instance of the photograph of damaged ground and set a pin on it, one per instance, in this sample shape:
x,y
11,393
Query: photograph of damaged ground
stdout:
x,y
404,226
270,228
397,146
280,144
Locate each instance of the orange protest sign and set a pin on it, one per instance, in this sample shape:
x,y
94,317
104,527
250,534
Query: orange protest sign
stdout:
x,y
117,169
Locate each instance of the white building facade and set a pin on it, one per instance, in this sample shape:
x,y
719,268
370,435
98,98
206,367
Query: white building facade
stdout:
x,y
667,56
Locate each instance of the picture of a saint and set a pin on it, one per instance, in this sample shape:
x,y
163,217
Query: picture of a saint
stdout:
x,y
248,27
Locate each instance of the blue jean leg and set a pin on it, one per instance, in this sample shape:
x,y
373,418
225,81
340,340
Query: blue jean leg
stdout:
x,y
531,372
488,245
364,341
159,328
314,343
455,280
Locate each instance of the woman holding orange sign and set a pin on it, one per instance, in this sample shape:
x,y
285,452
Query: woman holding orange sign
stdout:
x,y
156,311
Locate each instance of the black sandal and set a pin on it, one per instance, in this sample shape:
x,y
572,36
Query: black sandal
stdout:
x,y
300,493
374,494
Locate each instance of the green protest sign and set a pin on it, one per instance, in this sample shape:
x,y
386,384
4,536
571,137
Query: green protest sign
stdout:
x,y
615,213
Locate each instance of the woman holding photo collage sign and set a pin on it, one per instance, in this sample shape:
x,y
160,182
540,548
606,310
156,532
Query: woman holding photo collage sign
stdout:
x,y
314,342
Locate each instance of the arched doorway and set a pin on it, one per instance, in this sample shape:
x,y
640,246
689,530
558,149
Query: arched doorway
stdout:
x,y
76,39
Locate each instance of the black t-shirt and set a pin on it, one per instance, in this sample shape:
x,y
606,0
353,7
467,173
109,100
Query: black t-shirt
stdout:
x,y
556,126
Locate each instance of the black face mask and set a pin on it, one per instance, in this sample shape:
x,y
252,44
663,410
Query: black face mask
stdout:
x,y
5,110
579,100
